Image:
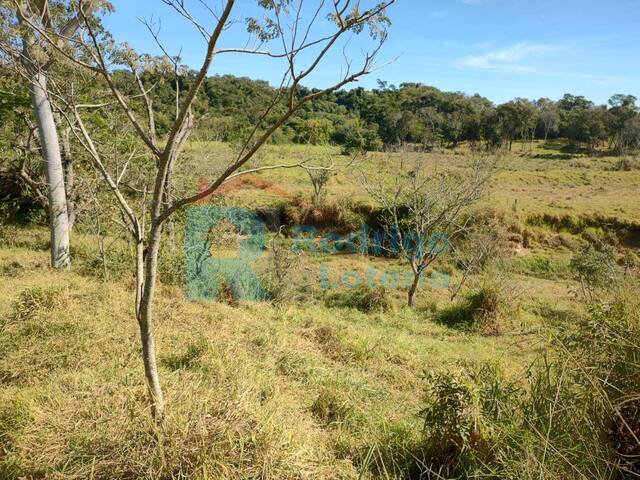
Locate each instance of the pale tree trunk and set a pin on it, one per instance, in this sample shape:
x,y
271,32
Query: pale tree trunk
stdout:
x,y
145,319
54,172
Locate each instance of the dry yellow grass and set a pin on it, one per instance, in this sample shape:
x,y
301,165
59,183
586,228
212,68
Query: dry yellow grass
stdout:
x,y
255,391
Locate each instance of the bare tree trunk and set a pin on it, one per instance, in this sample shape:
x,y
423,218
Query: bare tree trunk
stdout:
x,y
69,177
168,197
139,274
411,295
145,322
54,172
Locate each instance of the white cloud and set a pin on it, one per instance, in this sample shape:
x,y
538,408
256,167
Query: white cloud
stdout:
x,y
511,59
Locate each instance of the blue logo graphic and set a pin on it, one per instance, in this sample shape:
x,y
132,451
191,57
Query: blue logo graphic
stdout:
x,y
211,268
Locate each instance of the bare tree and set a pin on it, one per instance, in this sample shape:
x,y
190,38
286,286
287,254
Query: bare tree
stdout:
x,y
423,206
289,29
21,45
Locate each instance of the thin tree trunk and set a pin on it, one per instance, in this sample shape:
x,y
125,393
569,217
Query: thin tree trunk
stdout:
x,y
69,177
139,274
54,172
168,197
145,322
411,295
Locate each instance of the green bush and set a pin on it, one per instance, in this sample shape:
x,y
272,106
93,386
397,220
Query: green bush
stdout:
x,y
478,311
595,269
338,217
463,414
282,270
363,298
576,414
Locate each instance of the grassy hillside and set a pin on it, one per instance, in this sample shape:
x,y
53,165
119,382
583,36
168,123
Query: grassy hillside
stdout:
x,y
256,391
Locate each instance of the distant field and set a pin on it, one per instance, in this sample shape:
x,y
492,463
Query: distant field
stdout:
x,y
529,181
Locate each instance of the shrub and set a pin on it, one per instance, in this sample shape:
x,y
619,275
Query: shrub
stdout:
x,y
463,413
595,269
478,311
363,298
582,408
576,416
339,217
283,266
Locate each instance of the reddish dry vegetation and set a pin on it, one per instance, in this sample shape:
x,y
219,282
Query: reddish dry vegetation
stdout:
x,y
244,181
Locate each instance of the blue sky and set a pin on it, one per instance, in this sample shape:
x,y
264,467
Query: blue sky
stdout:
x,y
498,48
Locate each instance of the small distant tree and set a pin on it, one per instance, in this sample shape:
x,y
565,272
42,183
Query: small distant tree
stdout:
x,y
630,135
484,244
319,178
283,270
624,124
431,119
424,204
518,118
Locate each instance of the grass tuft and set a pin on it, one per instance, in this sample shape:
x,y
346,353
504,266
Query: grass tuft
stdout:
x,y
363,298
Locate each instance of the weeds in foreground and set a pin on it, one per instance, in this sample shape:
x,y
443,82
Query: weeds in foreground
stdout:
x,y
576,416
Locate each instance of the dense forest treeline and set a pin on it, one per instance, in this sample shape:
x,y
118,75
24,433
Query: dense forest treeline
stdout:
x,y
360,119
409,113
